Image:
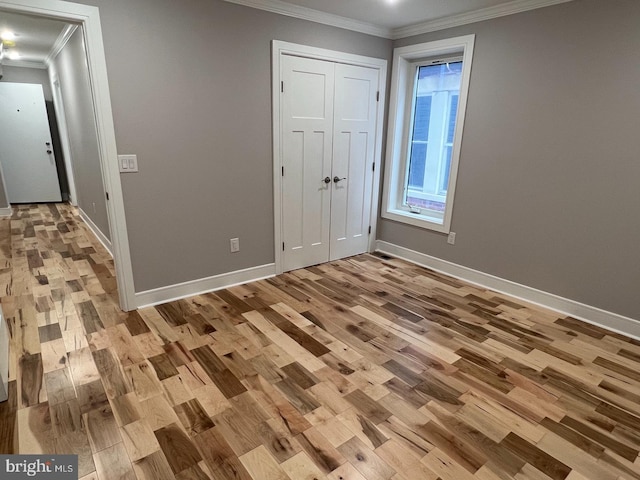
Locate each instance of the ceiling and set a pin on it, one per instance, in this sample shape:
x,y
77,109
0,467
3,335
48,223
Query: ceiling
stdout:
x,y
37,37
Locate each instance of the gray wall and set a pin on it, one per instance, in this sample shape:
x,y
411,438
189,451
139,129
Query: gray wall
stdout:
x,y
549,182
71,67
28,75
190,86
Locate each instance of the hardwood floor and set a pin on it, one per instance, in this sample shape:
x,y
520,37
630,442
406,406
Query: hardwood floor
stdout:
x,y
365,368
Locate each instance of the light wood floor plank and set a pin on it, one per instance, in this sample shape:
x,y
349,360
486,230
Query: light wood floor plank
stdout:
x,y
367,368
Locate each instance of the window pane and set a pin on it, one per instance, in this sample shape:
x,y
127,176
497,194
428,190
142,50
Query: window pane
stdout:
x,y
422,115
416,165
436,94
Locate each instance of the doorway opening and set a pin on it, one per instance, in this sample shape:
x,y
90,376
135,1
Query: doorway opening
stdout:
x,y
88,18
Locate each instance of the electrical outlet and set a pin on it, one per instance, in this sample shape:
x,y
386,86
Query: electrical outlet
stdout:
x,y
451,239
235,245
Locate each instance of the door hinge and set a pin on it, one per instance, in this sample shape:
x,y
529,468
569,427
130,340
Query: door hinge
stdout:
x,y
369,229
373,167
282,87
283,246
107,193
378,96
283,171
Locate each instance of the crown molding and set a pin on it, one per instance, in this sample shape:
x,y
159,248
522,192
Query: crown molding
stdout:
x,y
6,62
304,13
60,43
511,8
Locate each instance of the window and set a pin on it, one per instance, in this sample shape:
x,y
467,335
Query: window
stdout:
x,y
429,91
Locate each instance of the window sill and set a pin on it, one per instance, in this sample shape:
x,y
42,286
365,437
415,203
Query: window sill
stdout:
x,y
417,219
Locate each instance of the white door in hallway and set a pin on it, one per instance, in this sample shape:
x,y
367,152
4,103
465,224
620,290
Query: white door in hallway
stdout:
x,y
329,113
26,152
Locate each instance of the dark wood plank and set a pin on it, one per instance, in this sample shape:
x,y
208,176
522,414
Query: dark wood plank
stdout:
x,y
31,375
193,417
135,324
177,448
8,411
544,462
369,408
215,368
89,317
163,366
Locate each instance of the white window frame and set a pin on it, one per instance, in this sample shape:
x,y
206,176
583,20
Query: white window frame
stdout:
x,y
405,62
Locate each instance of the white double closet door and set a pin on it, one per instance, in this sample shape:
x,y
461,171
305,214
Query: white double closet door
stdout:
x,y
328,114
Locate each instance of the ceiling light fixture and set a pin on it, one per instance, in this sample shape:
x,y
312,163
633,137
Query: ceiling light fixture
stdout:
x,y
13,55
7,35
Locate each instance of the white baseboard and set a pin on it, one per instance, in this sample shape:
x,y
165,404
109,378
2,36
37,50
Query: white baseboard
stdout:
x,y
204,285
106,243
593,315
6,211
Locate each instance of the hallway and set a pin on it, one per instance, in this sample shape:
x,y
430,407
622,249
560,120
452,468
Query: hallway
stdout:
x,y
57,287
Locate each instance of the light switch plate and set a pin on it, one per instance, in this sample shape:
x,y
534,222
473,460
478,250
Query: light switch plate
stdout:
x,y
128,163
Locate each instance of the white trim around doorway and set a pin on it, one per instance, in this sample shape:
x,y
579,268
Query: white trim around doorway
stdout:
x,y
279,49
5,211
89,17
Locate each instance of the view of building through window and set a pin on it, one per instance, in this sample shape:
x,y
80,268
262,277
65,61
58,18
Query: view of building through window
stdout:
x,y
435,106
